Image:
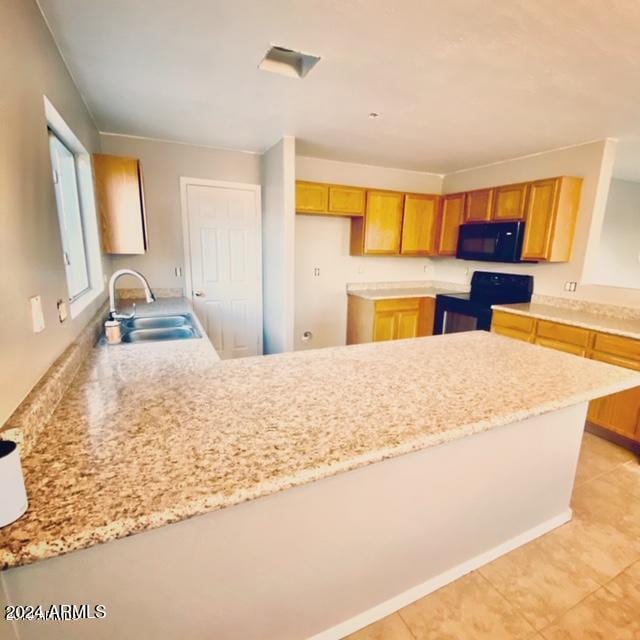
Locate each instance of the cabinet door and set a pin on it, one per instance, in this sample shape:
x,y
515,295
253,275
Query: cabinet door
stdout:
x,y
539,219
509,202
478,205
120,199
407,324
384,326
312,197
619,412
450,221
346,200
382,223
419,225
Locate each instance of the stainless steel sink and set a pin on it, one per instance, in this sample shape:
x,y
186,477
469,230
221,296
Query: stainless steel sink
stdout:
x,y
158,322
161,333
159,328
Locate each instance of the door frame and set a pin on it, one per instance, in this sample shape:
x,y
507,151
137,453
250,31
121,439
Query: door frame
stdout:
x,y
185,182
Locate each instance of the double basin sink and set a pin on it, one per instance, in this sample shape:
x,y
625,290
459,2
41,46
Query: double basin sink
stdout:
x,y
157,328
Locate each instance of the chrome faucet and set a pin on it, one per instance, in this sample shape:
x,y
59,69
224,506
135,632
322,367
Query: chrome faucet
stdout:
x,y
113,314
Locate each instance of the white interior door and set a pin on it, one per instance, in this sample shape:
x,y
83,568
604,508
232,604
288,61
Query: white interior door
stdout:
x,y
225,248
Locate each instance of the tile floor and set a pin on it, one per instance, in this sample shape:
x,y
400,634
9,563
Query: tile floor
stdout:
x,y
578,582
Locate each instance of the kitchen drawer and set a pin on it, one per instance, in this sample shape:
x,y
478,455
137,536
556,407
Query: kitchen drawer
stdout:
x,y
513,321
563,333
626,348
561,346
619,361
512,333
398,304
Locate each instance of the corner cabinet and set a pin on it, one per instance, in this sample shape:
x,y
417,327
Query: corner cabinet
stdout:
x,y
119,191
616,416
390,319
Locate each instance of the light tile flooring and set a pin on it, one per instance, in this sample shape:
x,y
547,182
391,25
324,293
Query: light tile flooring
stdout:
x,y
578,582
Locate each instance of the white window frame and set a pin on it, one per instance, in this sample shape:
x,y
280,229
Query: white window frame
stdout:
x,y
88,212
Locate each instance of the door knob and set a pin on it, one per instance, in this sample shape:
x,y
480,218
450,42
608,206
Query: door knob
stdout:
x,y
198,293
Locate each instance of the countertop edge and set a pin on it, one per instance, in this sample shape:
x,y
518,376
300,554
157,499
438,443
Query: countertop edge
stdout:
x,y
593,326
202,506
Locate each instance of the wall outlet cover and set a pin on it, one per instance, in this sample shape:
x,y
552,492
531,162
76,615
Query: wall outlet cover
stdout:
x,y
37,317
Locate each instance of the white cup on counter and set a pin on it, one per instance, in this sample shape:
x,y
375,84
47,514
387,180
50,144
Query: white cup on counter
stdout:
x,y
13,496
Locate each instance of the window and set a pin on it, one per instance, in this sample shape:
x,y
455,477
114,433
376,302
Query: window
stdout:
x,y
75,201
65,183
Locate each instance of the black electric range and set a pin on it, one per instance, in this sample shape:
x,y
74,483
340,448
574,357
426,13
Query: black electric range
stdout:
x,y
470,311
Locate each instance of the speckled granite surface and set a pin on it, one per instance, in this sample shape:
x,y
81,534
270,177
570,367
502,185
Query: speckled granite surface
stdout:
x,y
390,290
154,434
577,316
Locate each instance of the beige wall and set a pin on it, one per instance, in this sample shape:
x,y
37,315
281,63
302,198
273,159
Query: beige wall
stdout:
x,y
618,255
278,215
30,249
323,243
594,163
163,164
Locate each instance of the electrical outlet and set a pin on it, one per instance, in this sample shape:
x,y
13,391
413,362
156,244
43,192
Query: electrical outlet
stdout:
x,y
178,272
570,285
37,317
316,271
62,310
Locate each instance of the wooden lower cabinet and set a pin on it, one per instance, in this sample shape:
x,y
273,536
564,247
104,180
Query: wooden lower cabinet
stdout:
x,y
391,319
617,414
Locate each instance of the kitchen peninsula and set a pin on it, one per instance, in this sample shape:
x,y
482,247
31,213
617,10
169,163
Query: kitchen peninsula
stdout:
x,y
332,477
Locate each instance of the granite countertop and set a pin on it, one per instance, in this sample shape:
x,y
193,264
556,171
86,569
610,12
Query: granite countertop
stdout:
x,y
156,433
628,327
387,291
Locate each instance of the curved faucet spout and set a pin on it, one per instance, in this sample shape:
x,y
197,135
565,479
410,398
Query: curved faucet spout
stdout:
x,y
150,297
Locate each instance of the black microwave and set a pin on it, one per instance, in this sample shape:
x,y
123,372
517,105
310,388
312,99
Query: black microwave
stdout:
x,y
491,241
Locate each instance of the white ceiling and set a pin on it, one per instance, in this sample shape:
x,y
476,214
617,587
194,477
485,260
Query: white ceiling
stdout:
x,y
458,83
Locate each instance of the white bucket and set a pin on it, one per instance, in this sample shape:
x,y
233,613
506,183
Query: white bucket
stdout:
x,y
13,497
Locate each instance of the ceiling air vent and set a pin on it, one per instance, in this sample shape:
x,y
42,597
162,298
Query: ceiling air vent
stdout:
x,y
287,62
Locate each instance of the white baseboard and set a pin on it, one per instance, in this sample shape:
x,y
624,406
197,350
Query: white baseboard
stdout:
x,y
419,591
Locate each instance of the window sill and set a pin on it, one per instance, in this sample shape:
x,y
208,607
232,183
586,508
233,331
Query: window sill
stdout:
x,y
80,304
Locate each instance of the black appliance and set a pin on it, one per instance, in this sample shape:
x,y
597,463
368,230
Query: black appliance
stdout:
x,y
470,311
491,241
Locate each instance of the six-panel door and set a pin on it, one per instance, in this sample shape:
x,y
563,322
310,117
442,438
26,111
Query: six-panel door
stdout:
x,y
225,266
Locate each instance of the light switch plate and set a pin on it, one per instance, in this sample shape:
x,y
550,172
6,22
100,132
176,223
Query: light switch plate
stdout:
x,y
37,317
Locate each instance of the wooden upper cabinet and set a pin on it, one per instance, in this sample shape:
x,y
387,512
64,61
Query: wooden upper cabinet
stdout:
x,y
478,205
379,232
347,200
420,225
120,198
451,217
550,219
312,197
509,201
